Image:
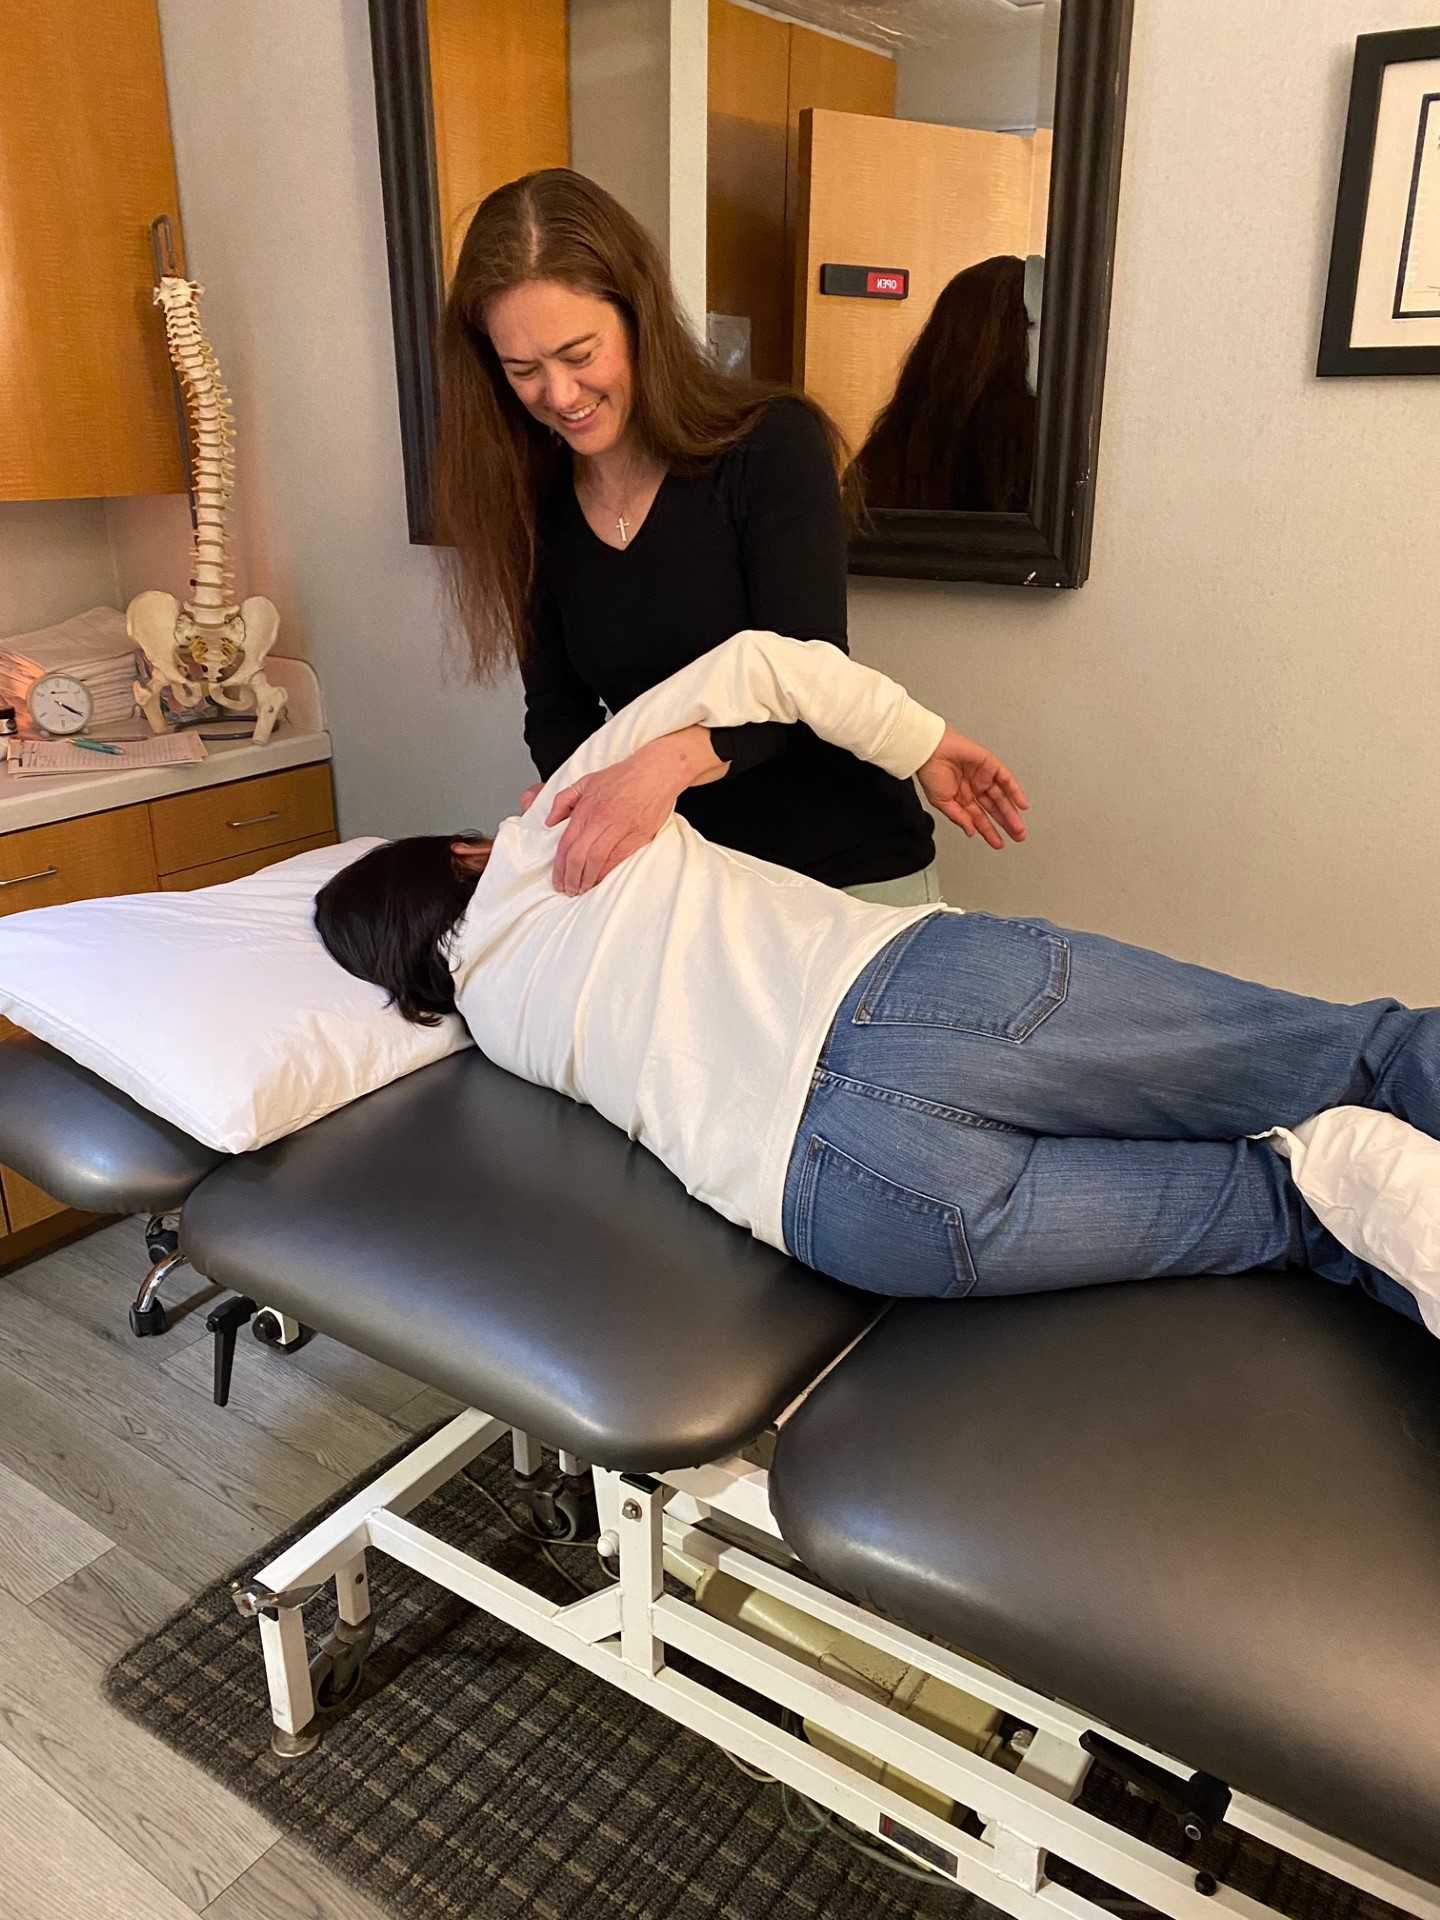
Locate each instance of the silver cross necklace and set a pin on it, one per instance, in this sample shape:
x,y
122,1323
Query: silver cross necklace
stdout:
x,y
622,517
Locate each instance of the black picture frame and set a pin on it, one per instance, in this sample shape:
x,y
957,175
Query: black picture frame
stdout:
x,y
1374,54
1049,546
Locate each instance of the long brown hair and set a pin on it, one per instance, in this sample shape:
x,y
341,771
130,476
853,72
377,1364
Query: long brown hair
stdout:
x,y
959,431
494,458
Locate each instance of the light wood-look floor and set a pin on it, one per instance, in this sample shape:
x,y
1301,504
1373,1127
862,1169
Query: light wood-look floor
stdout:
x,y
122,1491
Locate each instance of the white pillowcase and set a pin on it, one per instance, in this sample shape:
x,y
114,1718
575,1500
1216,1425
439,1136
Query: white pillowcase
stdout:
x,y
217,1009
1374,1182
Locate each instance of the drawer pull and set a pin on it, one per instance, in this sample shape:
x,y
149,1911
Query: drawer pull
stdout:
x,y
258,821
21,878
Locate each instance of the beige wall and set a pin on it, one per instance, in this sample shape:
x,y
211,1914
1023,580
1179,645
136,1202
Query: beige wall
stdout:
x,y
1230,734
55,560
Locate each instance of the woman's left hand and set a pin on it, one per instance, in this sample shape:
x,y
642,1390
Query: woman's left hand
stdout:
x,y
615,812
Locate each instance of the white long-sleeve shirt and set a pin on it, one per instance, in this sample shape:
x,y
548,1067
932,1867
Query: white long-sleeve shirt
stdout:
x,y
687,996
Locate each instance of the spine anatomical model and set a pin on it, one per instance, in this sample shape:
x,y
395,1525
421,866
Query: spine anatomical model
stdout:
x,y
212,647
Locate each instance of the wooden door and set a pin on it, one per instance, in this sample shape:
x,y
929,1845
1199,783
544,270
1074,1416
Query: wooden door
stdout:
x,y
763,73
746,262
893,193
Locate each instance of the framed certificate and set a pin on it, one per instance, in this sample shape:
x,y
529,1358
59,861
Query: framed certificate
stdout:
x,y
1382,304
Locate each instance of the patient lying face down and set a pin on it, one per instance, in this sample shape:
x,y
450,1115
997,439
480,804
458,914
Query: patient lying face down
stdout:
x,y
913,1101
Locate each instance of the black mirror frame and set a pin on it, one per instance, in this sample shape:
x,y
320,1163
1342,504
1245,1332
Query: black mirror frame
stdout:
x,y
1047,547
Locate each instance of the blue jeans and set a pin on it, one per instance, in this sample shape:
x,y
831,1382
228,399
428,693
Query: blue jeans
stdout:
x,y
1002,1106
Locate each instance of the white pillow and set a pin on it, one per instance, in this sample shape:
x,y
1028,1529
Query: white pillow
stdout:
x,y
217,1009
1374,1182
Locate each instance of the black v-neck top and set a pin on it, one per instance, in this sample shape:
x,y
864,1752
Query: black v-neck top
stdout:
x,y
757,539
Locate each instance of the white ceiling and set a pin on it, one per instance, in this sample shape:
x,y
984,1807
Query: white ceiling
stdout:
x,y
902,23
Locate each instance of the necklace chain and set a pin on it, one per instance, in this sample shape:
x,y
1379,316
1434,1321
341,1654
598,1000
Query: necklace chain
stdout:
x,y
622,521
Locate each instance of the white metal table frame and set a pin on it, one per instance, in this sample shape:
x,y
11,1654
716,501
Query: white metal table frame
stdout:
x,y
622,1633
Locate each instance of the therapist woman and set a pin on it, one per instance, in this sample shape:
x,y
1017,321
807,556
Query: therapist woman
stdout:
x,y
616,506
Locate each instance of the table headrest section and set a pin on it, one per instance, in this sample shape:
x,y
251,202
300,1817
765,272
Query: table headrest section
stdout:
x,y
515,1250
1206,1511
87,1143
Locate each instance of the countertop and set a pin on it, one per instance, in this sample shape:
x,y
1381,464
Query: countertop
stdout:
x,y
299,740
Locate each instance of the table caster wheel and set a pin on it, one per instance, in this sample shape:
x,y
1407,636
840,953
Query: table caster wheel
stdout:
x,y
148,1321
334,1684
268,1329
568,1514
338,1668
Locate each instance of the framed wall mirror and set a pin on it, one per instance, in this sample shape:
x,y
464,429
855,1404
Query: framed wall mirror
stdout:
x,y
905,207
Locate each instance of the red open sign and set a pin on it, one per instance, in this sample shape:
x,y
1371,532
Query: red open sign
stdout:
x,y
865,283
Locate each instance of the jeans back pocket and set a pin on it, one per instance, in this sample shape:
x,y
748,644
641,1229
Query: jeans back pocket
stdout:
x,y
972,973
871,1232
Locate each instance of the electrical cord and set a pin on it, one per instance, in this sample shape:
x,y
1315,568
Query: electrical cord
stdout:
x,y
529,1533
821,1819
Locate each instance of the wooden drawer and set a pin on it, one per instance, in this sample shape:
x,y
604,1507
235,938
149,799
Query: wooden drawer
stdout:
x,y
26,1205
217,823
77,860
214,872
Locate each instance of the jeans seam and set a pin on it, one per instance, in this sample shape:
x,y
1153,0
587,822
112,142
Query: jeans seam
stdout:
x,y
867,1089
804,1195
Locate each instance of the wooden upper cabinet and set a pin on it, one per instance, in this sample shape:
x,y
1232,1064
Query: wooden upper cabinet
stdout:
x,y
86,406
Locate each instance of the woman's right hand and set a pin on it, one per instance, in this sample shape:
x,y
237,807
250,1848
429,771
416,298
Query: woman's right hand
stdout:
x,y
528,797
969,785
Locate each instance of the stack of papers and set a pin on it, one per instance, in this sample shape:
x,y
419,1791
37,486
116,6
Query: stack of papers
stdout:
x,y
94,647
63,756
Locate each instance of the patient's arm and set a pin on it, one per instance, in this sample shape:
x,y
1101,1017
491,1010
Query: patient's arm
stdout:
x,y
754,677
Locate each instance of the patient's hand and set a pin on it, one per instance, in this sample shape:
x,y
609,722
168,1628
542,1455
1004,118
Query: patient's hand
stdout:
x,y
615,812
965,782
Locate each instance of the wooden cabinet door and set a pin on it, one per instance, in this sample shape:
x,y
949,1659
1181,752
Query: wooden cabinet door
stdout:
x,y
25,1204
85,166
215,873
218,823
105,853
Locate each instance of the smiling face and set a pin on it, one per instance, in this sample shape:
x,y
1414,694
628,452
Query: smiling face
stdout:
x,y
567,355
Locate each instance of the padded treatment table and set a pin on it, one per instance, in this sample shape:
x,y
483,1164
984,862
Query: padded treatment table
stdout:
x,y
518,1252
86,1142
1205,1511
1208,1510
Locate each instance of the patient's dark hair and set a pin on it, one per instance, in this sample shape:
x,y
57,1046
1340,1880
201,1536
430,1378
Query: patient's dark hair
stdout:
x,y
388,918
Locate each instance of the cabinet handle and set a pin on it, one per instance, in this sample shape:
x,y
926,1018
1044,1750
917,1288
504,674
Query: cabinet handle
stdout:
x,y
21,878
258,821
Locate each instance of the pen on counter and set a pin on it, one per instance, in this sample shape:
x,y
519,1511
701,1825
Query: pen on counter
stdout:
x,y
96,746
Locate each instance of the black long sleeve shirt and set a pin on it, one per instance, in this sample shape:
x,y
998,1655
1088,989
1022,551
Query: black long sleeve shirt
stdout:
x,y
757,539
